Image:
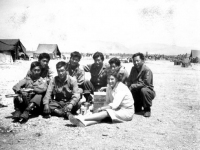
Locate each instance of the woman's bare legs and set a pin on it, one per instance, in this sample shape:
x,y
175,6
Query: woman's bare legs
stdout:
x,y
96,116
90,119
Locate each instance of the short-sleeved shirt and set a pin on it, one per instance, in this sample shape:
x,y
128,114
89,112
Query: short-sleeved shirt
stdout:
x,y
62,91
76,72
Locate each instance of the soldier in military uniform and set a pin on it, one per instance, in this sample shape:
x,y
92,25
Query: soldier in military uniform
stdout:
x,y
115,65
98,73
141,86
62,95
74,70
37,84
46,72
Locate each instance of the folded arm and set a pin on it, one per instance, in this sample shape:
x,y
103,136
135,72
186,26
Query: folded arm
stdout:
x,y
142,82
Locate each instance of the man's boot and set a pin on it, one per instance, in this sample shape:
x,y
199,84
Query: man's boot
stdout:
x,y
147,112
58,112
25,114
87,96
18,109
17,114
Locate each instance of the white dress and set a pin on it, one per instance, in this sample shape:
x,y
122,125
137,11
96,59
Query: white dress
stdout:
x,y
121,101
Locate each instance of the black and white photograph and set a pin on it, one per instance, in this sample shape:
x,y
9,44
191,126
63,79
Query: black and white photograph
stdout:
x,y
99,74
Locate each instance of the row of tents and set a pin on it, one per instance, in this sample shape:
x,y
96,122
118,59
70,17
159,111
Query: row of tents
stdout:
x,y
12,50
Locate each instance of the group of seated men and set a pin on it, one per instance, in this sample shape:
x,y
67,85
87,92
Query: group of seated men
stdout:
x,y
60,95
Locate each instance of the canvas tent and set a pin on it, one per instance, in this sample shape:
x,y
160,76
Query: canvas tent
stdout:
x,y
11,50
51,49
195,53
195,56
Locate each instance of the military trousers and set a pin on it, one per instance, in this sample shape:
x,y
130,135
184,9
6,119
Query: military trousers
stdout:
x,y
143,98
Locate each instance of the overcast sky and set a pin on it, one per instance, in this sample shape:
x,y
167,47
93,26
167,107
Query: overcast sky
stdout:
x,y
74,22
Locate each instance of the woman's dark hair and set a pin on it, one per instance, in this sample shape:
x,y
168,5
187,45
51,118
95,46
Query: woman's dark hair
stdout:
x,y
114,74
61,64
35,64
98,54
76,54
115,61
138,54
44,55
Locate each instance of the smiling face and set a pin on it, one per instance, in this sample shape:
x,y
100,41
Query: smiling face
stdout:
x,y
98,61
62,73
112,81
138,62
44,62
74,61
36,72
113,66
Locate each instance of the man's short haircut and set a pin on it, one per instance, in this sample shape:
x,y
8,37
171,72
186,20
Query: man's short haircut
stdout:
x,y
35,64
114,74
98,54
138,54
76,54
61,64
44,55
115,61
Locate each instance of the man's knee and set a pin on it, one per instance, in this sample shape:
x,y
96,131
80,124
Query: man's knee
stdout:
x,y
37,99
53,105
147,93
144,91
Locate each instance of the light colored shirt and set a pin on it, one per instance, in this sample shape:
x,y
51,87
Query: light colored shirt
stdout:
x,y
119,97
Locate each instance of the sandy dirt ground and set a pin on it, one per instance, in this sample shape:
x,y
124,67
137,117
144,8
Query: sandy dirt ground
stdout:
x,y
174,124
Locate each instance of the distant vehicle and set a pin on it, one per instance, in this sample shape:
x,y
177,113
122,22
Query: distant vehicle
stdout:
x,y
124,60
130,60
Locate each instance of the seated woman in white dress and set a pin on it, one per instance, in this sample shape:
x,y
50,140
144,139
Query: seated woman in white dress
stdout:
x,y
119,105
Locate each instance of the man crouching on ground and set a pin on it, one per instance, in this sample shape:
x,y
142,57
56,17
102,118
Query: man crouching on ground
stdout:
x,y
141,85
28,101
62,95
